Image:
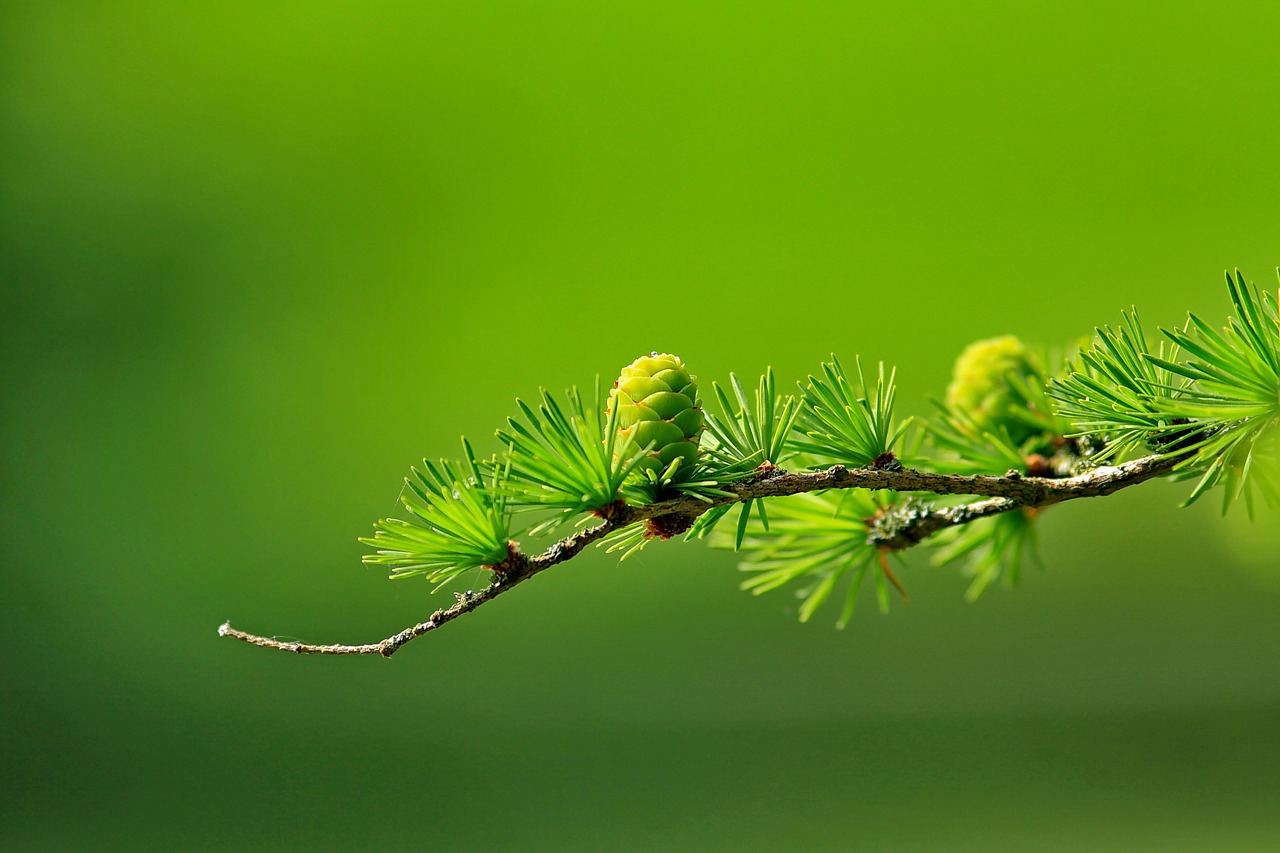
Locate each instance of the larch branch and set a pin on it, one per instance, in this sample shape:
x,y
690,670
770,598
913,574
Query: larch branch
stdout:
x,y
1004,493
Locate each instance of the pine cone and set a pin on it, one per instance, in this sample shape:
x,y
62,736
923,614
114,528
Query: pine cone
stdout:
x,y
657,401
980,387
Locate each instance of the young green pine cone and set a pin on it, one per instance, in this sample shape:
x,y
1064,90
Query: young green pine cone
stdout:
x,y
980,386
657,401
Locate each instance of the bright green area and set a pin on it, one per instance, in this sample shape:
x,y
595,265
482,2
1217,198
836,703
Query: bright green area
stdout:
x,y
258,258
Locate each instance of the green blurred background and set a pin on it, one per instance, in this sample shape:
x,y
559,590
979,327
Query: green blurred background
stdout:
x,y
258,258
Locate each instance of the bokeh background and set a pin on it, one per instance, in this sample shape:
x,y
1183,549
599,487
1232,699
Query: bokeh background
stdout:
x,y
258,258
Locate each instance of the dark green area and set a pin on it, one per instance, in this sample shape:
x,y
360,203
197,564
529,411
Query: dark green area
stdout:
x,y
257,259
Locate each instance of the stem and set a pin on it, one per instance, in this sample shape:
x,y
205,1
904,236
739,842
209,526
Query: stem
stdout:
x,y
1096,483
1006,493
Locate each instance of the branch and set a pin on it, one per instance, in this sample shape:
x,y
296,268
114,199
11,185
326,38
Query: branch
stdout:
x,y
512,571
918,523
1012,491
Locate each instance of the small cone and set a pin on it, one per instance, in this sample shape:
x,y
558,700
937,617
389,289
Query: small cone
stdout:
x,y
657,402
980,386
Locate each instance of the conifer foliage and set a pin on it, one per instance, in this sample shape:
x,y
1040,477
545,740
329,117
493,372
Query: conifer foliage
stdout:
x,y
828,484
